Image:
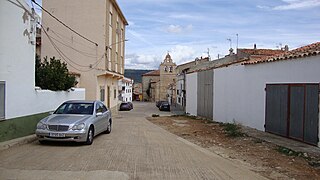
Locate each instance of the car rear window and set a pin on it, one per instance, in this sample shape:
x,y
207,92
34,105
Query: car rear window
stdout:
x,y
75,108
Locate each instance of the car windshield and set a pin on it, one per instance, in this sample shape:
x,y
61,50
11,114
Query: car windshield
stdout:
x,y
75,108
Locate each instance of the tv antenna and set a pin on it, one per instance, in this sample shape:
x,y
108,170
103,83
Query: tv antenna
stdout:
x,y
230,40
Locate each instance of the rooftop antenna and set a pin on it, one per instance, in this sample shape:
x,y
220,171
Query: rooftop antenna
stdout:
x,y
229,39
237,40
209,54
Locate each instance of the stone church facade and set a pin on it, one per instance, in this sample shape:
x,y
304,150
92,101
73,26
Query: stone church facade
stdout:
x,y
159,85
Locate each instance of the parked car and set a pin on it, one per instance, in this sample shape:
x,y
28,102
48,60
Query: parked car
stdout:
x,y
125,106
78,121
158,103
165,106
131,104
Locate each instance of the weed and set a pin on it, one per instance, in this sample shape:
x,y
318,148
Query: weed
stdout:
x,y
258,141
288,151
232,130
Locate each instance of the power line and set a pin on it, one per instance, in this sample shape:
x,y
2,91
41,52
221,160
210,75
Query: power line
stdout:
x,y
64,37
63,56
80,52
64,23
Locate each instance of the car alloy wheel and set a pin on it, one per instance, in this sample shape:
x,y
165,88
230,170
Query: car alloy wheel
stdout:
x,y
90,136
108,131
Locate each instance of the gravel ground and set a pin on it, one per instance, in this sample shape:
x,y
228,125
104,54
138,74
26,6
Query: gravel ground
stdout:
x,y
259,156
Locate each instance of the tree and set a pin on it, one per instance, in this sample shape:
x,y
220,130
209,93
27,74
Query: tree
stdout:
x,y
53,75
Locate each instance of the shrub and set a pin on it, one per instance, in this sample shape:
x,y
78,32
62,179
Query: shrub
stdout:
x,y
232,130
53,75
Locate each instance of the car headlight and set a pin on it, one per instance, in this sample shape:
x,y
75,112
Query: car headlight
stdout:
x,y
41,125
78,126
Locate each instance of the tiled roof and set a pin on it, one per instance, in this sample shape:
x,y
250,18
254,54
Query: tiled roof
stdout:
x,y
261,52
309,50
152,73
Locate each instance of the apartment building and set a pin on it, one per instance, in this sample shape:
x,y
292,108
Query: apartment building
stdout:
x,y
90,38
125,89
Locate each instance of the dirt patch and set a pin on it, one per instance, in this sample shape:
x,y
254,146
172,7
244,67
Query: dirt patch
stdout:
x,y
260,156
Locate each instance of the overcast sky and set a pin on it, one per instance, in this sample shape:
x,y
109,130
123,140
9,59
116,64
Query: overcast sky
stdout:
x,y
187,28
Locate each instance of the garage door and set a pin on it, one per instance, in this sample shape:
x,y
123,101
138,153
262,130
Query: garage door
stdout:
x,y
205,94
292,110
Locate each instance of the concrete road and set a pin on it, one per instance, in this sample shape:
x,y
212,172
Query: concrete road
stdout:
x,y
136,149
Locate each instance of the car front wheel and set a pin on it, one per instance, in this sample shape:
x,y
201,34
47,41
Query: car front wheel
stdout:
x,y
108,131
90,136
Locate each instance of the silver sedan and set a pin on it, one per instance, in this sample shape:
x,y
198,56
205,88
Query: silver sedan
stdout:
x,y
78,121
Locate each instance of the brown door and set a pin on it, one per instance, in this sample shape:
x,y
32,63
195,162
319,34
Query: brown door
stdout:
x,y
108,98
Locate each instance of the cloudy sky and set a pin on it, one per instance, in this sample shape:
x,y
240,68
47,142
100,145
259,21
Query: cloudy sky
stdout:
x,y
188,28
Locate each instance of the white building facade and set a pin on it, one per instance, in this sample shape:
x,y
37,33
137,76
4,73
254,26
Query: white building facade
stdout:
x,y
191,93
125,88
279,95
239,91
18,95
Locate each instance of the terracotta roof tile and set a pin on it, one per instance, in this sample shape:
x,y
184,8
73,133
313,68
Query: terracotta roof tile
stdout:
x,y
309,50
152,73
261,52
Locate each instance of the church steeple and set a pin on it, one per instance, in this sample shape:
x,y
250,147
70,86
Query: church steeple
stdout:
x,y
168,58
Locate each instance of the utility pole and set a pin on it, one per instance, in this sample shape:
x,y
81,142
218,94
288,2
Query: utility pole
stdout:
x,y
237,40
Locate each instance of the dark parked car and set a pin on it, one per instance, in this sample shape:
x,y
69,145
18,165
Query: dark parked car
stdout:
x,y
125,107
131,104
158,103
165,106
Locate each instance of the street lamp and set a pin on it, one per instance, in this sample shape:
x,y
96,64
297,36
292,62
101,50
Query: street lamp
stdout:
x,y
107,50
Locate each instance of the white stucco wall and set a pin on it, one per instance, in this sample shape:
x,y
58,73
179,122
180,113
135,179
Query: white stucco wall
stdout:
x,y
17,64
127,95
239,91
191,93
179,87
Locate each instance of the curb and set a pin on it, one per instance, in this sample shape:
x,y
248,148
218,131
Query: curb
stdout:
x,y
17,142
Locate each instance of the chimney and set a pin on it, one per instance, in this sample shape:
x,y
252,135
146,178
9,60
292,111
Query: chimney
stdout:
x,y
231,51
286,48
254,46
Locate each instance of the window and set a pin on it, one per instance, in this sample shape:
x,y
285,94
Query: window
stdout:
x,y
2,100
115,93
110,19
102,93
101,108
170,69
75,108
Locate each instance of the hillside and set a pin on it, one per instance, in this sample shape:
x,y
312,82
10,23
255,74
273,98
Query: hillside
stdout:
x,y
135,74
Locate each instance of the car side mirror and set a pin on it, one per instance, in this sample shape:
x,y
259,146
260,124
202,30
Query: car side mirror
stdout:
x,y
99,114
51,112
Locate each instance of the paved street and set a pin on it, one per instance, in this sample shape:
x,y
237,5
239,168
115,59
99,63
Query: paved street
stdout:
x,y
136,149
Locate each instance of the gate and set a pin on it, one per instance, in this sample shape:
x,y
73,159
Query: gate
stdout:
x,y
292,110
205,94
